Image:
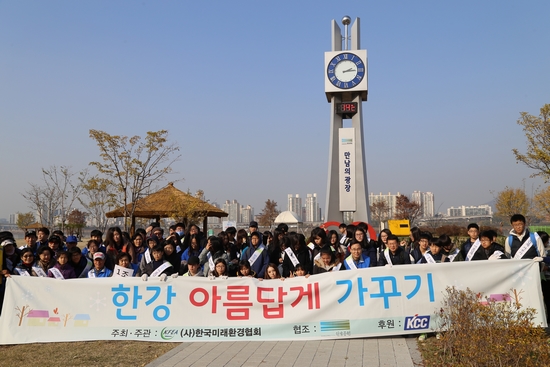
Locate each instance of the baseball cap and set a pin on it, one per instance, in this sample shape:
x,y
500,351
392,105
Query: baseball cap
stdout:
x,y
99,255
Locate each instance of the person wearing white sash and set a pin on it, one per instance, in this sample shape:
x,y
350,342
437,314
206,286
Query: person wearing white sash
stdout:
x,y
521,244
488,250
99,270
453,254
44,262
357,260
473,234
317,240
62,269
423,246
435,255
213,251
296,253
393,254
256,254
24,268
158,265
326,262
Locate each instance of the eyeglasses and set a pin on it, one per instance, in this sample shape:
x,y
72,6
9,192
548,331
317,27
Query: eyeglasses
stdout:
x,y
26,256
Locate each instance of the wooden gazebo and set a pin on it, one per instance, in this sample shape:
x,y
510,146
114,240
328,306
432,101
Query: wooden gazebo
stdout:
x,y
169,202
35,226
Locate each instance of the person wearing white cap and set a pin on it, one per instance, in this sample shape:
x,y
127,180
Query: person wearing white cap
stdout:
x,y
99,270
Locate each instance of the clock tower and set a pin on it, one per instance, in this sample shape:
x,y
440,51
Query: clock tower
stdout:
x,y
346,89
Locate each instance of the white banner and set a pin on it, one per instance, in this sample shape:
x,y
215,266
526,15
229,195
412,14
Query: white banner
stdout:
x,y
348,201
378,301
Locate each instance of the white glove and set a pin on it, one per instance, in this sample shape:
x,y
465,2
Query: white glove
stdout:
x,y
144,277
388,265
163,277
493,257
175,275
538,259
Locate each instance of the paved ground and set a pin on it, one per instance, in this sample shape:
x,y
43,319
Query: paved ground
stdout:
x,y
382,352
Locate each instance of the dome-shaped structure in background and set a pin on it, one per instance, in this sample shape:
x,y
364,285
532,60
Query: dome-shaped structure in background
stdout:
x,y
288,217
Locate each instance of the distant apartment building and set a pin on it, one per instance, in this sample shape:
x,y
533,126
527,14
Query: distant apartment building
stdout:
x,y
233,208
13,218
214,220
388,198
312,208
470,211
295,204
426,201
247,214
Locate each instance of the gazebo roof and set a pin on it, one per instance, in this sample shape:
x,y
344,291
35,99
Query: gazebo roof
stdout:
x,y
168,202
35,225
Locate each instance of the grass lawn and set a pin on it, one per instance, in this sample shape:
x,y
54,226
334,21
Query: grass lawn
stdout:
x,y
93,353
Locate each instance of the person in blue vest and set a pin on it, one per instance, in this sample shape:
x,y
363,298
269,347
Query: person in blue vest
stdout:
x,y
357,260
522,244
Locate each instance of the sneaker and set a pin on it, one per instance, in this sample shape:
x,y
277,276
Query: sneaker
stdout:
x,y
422,337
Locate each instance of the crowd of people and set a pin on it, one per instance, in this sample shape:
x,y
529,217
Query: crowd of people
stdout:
x,y
265,255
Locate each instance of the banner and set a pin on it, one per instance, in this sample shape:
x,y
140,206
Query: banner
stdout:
x,y
378,301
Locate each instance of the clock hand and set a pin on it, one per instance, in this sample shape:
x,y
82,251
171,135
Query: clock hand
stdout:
x,y
350,69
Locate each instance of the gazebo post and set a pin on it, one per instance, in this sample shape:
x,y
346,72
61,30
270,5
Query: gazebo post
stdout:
x,y
205,225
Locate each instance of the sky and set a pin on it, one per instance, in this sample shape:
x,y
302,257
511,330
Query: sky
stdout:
x,y
239,85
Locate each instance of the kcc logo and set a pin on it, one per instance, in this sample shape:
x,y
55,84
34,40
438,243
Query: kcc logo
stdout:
x,y
417,322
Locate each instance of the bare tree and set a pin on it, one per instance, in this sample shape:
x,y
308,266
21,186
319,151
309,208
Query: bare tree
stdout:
x,y
45,200
269,213
134,165
380,212
98,197
60,180
406,209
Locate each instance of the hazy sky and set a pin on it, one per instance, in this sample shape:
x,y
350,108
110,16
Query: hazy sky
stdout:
x,y
239,84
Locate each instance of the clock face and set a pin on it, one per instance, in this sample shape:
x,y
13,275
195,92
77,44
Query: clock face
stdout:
x,y
346,70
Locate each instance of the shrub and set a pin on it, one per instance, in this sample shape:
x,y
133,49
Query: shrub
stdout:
x,y
484,332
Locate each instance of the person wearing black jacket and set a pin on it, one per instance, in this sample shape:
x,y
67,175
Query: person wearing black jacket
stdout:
x,y
393,254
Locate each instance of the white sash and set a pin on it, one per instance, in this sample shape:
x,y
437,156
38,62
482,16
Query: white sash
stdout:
x,y
56,273
89,265
453,255
429,258
122,272
147,256
343,239
39,271
496,255
473,250
292,256
210,261
160,269
524,248
22,272
337,267
350,263
311,246
91,273
256,254
318,256
387,256
178,249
